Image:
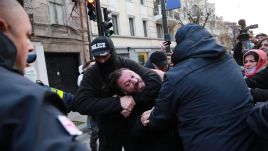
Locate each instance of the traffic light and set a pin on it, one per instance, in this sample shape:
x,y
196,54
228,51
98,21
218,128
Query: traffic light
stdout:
x,y
91,10
107,24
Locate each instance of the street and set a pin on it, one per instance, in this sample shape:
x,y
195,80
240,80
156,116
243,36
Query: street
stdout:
x,y
85,137
80,121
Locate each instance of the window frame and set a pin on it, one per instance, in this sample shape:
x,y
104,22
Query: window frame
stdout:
x,y
56,13
159,30
145,29
115,24
131,26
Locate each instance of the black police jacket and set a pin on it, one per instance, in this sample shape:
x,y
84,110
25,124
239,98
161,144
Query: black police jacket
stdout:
x,y
28,121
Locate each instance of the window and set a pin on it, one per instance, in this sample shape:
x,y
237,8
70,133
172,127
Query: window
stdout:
x,y
56,13
131,26
145,28
115,24
159,29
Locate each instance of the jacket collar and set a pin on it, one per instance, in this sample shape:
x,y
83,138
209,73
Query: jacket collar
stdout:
x,y
8,52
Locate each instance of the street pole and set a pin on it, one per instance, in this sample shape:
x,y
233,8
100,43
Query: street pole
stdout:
x,y
88,35
164,20
83,30
99,18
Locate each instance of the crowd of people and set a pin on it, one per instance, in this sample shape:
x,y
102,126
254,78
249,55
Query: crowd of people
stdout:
x,y
196,98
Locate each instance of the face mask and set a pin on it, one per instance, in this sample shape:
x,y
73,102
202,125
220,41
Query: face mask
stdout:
x,y
30,73
251,70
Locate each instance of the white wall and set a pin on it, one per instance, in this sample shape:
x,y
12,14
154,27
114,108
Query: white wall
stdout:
x,y
40,63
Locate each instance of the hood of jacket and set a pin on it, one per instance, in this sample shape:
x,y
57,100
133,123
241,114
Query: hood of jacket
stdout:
x,y
194,41
8,52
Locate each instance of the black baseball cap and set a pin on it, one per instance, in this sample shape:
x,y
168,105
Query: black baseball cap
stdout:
x,y
101,46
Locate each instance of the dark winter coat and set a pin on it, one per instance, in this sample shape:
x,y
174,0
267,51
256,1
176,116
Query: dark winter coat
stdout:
x,y
258,120
205,95
28,121
259,80
259,85
238,54
259,95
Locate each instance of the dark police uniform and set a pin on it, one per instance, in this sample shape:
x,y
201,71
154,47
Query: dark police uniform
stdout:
x,y
28,121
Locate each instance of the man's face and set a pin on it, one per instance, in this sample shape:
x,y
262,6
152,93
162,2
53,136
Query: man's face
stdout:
x,y
130,82
19,32
264,46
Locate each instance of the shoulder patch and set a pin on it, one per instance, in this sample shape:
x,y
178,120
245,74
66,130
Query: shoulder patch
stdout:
x,y
69,125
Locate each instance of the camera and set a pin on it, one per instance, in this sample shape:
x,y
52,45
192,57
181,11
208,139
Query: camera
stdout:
x,y
244,31
168,42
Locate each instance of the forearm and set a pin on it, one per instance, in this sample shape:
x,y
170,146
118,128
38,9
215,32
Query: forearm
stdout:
x,y
91,98
97,106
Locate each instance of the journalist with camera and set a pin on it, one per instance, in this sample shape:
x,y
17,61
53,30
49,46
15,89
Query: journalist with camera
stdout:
x,y
246,41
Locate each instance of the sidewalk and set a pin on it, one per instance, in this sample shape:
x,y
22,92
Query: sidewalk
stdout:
x,y
77,118
80,122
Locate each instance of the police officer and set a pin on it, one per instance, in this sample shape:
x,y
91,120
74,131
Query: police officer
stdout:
x,y
28,121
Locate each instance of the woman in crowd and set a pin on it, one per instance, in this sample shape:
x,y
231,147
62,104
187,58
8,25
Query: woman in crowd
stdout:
x,y
254,61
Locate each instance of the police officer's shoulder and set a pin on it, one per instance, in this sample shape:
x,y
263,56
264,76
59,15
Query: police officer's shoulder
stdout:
x,y
18,87
35,93
54,100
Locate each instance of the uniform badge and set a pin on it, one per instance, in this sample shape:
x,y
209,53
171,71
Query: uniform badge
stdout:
x,y
69,125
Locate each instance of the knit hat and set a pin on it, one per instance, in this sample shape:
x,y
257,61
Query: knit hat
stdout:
x,y
159,58
101,46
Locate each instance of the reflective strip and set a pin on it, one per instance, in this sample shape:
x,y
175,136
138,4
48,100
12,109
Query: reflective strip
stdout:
x,y
59,92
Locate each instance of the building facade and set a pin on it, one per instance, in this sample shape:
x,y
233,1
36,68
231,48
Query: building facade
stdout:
x,y
59,39
62,32
138,24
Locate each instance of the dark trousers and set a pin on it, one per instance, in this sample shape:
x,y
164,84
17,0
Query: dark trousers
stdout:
x,y
94,138
113,142
94,130
155,141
